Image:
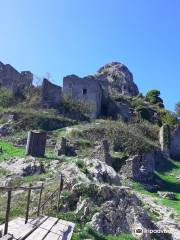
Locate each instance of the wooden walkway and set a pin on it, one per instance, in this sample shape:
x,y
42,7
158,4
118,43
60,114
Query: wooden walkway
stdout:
x,y
40,228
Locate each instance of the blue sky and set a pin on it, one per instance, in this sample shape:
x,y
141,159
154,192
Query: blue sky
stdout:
x,y
62,37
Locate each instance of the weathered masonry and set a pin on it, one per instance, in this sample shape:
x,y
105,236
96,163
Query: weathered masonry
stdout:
x,y
87,90
169,138
51,93
14,80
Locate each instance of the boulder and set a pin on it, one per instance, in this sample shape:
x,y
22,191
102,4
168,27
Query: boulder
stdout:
x,y
168,195
23,166
5,129
84,207
102,172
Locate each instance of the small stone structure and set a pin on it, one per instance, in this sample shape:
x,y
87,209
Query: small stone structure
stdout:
x,y
164,139
36,143
51,93
86,90
140,167
63,147
102,153
169,138
11,79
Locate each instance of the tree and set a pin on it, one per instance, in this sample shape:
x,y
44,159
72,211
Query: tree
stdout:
x,y
177,109
153,96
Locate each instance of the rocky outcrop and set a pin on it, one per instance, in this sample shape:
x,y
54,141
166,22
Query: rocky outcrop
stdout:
x,y
119,78
23,166
111,210
101,172
5,129
140,167
168,195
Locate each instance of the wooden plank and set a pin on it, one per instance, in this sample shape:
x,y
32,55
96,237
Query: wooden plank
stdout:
x,y
53,236
20,230
41,232
7,237
59,228
64,229
49,223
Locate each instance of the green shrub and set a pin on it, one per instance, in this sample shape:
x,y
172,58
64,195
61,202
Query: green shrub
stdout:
x,y
153,96
6,97
167,117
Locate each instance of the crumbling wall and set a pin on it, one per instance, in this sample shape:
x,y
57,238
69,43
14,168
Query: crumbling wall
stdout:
x,y
175,142
87,90
140,167
169,138
50,94
11,79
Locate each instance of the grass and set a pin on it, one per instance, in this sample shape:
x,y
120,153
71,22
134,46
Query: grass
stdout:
x,y
8,151
167,174
87,232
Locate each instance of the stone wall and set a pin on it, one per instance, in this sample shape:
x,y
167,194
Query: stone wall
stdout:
x,y
11,79
87,90
175,143
164,139
51,93
140,167
169,138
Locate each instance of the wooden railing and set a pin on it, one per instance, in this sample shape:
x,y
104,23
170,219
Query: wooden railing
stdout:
x,y
29,189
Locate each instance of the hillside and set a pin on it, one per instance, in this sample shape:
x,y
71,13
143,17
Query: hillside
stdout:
x,y
118,152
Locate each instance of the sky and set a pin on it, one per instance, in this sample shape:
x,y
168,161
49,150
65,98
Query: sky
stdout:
x,y
60,37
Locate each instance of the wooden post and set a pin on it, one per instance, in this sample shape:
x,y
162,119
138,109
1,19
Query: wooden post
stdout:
x,y
28,203
40,196
36,143
59,191
7,212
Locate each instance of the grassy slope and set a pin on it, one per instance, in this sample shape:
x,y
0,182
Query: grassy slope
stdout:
x,y
168,174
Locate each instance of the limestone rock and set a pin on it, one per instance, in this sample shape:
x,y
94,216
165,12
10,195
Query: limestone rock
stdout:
x,y
102,172
23,166
119,77
84,207
169,195
5,129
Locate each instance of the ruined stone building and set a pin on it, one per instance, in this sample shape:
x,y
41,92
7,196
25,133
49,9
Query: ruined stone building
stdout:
x,y
94,90
50,93
87,90
13,80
